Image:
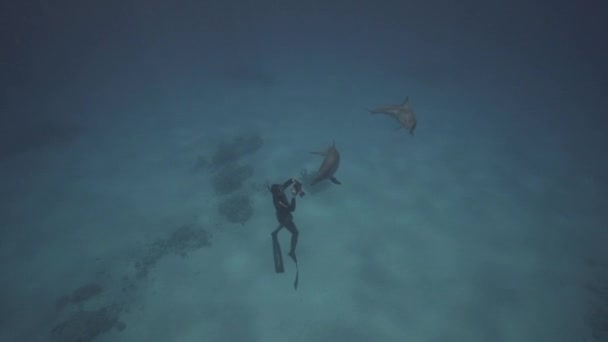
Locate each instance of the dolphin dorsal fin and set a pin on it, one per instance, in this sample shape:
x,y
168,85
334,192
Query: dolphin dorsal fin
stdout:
x,y
407,99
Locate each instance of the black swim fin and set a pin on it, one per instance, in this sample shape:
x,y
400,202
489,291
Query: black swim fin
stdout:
x,y
334,180
277,255
295,260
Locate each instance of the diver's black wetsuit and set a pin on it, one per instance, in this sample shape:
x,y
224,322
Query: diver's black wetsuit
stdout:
x,y
283,213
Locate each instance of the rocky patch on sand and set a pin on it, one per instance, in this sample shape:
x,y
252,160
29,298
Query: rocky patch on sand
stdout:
x,y
183,241
229,177
84,325
79,295
236,208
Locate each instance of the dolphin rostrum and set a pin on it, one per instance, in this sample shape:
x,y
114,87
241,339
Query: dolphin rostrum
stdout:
x,y
330,165
402,113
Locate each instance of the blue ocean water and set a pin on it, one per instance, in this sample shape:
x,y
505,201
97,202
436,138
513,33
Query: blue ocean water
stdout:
x,y
487,224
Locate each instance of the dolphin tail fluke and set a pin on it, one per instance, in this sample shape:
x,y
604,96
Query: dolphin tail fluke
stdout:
x,y
334,180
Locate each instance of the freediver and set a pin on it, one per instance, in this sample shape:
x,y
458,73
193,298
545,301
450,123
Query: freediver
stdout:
x,y
284,210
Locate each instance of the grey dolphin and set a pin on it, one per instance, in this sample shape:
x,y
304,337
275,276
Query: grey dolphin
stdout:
x,y
402,113
330,165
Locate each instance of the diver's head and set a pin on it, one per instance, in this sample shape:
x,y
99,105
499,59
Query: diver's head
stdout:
x,y
276,189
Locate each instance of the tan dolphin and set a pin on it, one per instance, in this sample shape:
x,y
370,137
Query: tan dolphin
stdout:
x,y
402,113
330,165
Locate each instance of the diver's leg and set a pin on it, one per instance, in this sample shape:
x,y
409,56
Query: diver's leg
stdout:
x,y
294,237
276,231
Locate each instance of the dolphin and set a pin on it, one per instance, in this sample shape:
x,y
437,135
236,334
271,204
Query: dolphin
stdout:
x,y
402,113
330,165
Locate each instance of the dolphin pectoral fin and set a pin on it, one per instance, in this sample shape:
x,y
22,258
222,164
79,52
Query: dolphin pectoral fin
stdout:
x,y
379,111
334,180
388,110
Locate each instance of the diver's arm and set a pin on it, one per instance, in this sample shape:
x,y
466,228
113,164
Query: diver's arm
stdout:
x,y
292,205
287,183
278,201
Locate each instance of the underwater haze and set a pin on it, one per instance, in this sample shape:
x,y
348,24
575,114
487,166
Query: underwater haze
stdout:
x,y
139,140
